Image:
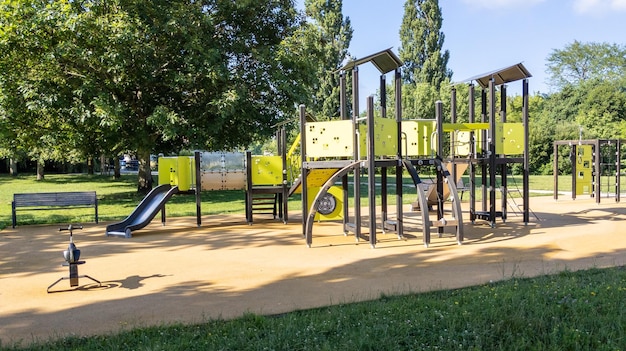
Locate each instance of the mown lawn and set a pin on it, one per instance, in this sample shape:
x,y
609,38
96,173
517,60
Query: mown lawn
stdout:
x,y
581,310
118,198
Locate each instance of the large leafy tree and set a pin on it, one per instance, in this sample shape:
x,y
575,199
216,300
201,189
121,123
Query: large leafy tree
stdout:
x,y
152,75
328,38
579,62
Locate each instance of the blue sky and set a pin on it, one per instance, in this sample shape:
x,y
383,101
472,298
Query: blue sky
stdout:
x,y
484,35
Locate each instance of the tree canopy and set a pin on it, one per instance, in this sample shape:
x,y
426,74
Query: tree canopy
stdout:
x,y
579,62
151,76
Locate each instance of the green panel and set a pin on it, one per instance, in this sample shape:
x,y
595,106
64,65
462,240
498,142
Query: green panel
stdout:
x,y
385,137
510,138
329,139
267,170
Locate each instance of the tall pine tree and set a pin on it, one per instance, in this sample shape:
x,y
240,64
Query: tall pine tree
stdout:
x,y
425,61
422,51
329,38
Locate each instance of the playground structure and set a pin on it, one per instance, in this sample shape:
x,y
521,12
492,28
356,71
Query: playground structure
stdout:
x,y
331,151
590,160
491,145
380,143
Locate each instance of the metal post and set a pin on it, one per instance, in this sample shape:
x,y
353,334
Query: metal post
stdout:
x,y
357,170
371,170
572,158
503,166
472,165
342,95
598,169
198,188
303,176
618,169
526,171
440,199
492,152
398,110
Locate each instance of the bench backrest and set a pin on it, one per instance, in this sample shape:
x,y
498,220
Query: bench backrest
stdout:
x,y
76,198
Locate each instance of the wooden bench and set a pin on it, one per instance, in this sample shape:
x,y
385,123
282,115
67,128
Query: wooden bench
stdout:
x,y
51,201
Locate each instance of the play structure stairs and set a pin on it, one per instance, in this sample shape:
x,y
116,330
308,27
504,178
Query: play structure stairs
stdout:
x,y
265,204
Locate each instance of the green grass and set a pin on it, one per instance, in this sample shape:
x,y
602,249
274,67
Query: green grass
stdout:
x,y
581,310
118,198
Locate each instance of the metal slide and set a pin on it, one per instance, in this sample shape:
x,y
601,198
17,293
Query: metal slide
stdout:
x,y
144,213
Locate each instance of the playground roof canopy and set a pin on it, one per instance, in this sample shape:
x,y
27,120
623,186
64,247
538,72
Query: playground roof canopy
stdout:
x,y
500,76
385,61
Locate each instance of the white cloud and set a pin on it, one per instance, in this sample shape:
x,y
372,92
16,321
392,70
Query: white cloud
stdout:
x,y
494,4
598,6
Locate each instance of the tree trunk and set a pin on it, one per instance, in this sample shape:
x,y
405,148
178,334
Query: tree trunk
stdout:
x,y
144,184
117,174
13,167
40,165
103,165
90,166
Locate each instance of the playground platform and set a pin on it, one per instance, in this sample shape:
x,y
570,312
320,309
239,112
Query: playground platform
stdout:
x,y
182,273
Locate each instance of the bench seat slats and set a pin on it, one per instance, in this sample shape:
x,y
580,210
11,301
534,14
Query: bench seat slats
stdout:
x,y
58,200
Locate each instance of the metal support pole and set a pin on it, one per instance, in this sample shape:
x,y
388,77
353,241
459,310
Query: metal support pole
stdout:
x,y
618,169
342,95
355,145
371,170
303,177
197,159
492,152
440,199
398,110
472,165
598,170
526,171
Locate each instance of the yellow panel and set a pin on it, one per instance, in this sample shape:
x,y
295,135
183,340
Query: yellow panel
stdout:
x,y
167,170
331,208
465,127
267,170
330,139
584,166
317,177
185,173
510,138
385,137
463,142
417,137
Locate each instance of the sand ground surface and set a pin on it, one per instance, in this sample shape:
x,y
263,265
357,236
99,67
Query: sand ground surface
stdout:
x,y
225,268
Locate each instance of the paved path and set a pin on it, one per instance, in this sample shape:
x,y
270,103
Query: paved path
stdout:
x,y
227,268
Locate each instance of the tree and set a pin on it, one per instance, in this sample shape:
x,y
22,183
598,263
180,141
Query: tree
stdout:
x,y
151,76
425,61
579,62
328,41
422,52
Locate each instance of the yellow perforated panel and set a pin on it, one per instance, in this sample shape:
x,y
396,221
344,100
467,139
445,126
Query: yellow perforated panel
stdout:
x,y
267,170
330,139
